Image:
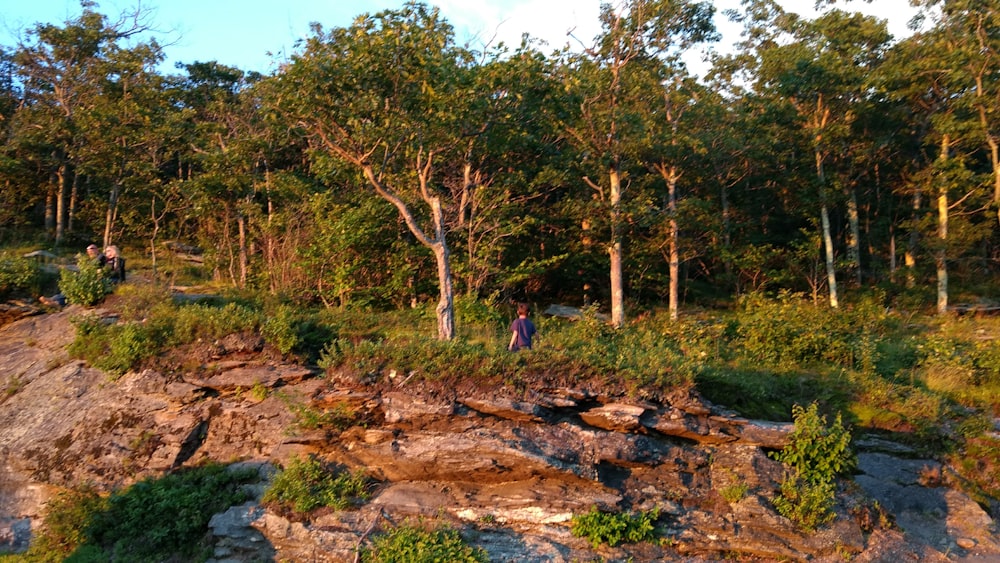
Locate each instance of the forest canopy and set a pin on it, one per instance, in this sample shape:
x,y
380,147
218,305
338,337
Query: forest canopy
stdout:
x,y
385,164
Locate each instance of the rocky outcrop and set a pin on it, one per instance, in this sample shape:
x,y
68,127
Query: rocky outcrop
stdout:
x,y
510,471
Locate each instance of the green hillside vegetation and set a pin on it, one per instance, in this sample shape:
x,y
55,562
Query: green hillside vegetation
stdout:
x,y
814,222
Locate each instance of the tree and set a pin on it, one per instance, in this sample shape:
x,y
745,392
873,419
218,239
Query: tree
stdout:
x,y
383,96
822,74
603,82
63,71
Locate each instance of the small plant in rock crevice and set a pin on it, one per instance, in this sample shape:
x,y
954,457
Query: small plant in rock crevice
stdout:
x,y
614,528
816,454
416,544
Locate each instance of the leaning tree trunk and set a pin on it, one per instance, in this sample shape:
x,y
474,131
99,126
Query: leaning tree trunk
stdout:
x,y
831,272
111,213
439,246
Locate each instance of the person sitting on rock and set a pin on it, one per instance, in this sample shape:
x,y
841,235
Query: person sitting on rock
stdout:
x,y
115,264
100,260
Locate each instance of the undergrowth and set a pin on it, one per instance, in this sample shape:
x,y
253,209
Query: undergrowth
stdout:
x,y
306,484
156,519
912,375
419,544
613,528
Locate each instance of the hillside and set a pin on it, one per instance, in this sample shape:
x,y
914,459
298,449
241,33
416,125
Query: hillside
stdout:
x,y
508,471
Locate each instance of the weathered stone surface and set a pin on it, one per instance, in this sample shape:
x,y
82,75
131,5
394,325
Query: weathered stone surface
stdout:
x,y
925,508
618,417
400,406
506,408
515,476
244,378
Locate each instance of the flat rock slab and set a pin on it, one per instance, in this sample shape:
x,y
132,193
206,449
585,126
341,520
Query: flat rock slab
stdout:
x,y
942,518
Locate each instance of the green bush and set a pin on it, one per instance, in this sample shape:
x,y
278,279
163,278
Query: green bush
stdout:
x,y
63,531
817,454
114,348
411,544
17,275
88,286
160,519
614,528
791,332
306,484
808,505
280,329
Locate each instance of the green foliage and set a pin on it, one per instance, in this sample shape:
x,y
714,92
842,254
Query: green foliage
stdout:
x,y
789,332
17,275
340,416
183,324
817,454
63,532
614,528
88,286
281,329
417,545
114,348
808,505
153,520
734,492
307,484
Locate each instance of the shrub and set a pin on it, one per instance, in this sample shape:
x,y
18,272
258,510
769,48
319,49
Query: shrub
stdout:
x,y
790,332
416,545
113,348
808,505
306,484
735,492
159,517
88,286
816,454
153,520
17,274
614,528
63,531
281,329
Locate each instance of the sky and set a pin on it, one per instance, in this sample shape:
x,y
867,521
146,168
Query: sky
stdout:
x,y
258,35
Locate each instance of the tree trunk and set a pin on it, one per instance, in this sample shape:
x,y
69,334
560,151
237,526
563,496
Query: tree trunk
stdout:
x,y
854,243
670,176
991,142
50,207
910,256
152,236
439,245
61,204
112,212
615,253
241,225
942,254
831,272
73,197
445,309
